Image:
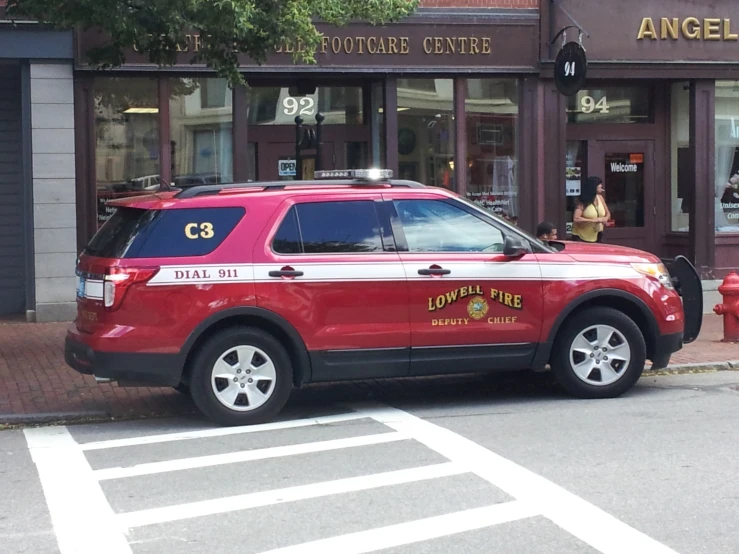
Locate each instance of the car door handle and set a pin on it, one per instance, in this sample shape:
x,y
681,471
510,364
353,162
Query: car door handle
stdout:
x,y
434,271
286,273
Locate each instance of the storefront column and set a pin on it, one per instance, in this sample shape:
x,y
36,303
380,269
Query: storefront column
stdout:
x,y
84,148
554,134
165,144
391,124
240,133
460,130
702,144
527,148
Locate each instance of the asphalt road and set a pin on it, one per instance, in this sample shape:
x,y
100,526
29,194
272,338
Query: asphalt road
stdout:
x,y
480,465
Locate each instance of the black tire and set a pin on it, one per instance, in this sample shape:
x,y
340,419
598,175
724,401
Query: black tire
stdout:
x,y
562,367
211,351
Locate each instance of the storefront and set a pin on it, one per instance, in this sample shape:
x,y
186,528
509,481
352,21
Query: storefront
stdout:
x,y
37,185
658,122
441,98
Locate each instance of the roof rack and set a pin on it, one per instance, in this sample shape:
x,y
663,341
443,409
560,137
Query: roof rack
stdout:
x,y
340,176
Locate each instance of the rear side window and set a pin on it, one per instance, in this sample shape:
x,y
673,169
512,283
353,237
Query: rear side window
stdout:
x,y
137,233
328,228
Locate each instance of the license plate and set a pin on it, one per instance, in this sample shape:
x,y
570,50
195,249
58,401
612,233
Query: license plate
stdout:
x,y
81,287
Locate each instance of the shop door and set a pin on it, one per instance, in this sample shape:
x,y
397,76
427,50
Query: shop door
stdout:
x,y
277,162
627,170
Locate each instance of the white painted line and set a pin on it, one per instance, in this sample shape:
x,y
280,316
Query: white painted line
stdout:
x,y
585,521
221,432
291,494
245,456
83,520
415,531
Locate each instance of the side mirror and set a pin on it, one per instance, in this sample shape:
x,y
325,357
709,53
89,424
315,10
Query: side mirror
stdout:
x,y
514,247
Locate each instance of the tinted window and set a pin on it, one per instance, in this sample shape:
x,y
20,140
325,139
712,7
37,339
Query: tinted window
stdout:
x,y
330,227
136,233
339,227
287,238
436,226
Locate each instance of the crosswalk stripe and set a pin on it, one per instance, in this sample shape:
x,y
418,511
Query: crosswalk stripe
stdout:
x,y
83,520
290,494
220,432
415,531
577,516
245,456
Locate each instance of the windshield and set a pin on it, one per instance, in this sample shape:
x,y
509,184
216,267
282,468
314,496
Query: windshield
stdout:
x,y
544,246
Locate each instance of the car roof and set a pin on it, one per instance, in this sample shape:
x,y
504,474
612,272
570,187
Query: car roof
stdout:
x,y
233,194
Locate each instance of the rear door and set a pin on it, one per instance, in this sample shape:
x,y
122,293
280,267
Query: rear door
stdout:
x,y
329,267
471,307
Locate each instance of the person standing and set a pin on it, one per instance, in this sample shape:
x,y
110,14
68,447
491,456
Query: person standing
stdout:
x,y
591,212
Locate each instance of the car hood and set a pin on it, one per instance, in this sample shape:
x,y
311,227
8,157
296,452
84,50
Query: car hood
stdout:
x,y
589,252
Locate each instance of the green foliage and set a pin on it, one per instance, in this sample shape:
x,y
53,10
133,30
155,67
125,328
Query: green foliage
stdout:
x,y
229,27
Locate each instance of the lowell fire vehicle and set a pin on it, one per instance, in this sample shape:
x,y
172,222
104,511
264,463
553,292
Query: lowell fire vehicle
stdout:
x,y
238,293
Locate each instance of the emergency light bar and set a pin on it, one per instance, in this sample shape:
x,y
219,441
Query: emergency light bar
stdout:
x,y
361,174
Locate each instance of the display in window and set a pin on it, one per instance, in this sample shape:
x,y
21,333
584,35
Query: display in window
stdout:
x,y
573,178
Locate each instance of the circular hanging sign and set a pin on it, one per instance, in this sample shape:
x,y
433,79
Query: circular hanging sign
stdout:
x,y
570,69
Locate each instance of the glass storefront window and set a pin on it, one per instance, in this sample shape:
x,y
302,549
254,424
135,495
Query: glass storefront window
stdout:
x,y
575,173
611,105
624,180
426,137
491,111
276,106
201,116
726,198
127,161
681,183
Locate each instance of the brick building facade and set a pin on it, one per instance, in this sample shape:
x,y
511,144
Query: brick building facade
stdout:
x,y
459,95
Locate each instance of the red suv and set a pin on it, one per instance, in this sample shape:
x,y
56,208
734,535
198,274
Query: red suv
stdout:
x,y
238,293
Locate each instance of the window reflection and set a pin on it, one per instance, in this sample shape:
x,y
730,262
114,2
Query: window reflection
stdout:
x,y
491,109
435,226
726,189
127,161
200,114
426,131
682,164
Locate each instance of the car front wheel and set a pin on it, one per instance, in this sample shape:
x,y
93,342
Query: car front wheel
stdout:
x,y
600,353
241,376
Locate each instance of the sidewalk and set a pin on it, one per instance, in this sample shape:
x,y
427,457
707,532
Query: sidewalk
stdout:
x,y
36,385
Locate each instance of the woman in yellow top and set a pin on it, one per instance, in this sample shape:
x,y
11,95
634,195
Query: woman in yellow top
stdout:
x,y
591,212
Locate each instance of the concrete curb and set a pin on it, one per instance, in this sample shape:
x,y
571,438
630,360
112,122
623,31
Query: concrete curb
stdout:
x,y
698,367
15,421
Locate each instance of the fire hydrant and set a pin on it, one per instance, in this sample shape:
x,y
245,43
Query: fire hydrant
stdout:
x,y
729,290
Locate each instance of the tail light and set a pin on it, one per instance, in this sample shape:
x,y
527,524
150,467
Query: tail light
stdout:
x,y
119,279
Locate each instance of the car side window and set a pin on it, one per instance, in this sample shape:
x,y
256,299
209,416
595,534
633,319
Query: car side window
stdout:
x,y
330,227
438,226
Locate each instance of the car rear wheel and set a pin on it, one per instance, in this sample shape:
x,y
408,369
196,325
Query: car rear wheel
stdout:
x,y
241,376
600,353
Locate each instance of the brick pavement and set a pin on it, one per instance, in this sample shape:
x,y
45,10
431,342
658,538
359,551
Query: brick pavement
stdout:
x,y
36,384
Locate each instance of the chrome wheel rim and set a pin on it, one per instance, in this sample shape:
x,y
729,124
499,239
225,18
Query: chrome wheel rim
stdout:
x,y
243,378
599,355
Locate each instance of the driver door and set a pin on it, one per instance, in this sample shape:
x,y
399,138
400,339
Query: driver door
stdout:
x,y
471,307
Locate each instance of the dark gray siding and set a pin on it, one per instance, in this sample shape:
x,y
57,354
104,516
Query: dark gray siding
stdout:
x,y
12,248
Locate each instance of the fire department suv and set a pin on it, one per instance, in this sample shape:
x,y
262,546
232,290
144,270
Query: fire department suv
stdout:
x,y
238,293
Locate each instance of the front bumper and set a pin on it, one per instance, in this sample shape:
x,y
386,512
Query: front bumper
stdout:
x,y
664,347
125,367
